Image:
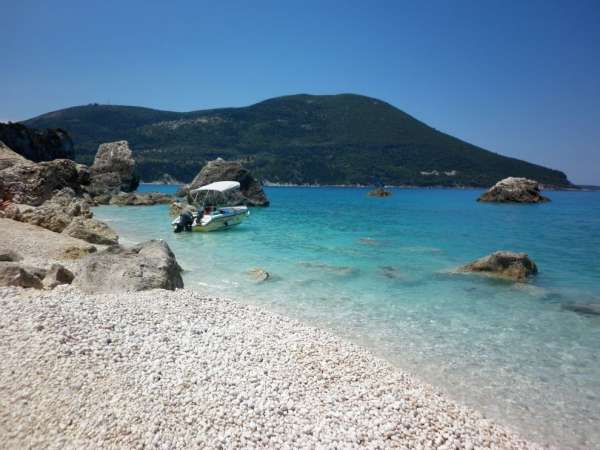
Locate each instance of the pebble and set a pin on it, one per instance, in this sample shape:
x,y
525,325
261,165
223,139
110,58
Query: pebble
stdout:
x,y
248,379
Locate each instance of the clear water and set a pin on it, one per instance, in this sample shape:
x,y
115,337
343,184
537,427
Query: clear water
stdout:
x,y
378,271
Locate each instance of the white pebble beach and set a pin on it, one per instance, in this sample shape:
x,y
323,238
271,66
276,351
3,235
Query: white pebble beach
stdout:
x,y
162,369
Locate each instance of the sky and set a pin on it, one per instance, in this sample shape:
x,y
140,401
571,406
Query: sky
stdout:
x,y
519,78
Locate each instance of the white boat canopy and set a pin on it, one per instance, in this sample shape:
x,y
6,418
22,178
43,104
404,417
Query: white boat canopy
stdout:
x,y
218,186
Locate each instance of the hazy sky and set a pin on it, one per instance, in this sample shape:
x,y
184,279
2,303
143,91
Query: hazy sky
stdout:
x,y
520,78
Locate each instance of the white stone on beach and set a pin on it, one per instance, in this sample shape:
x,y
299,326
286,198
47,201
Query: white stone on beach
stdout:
x,y
131,371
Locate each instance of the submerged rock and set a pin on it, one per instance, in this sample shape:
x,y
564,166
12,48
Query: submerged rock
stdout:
x,y
379,192
515,266
516,190
368,241
149,265
113,170
251,192
259,275
338,270
91,230
590,309
391,272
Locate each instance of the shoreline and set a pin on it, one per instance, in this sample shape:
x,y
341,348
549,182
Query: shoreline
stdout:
x,y
178,369
390,186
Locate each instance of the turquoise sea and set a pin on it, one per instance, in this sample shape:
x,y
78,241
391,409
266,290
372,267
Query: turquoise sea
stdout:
x,y
379,272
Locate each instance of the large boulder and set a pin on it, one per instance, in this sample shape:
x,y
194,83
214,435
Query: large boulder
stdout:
x,y
91,230
149,265
516,190
113,170
251,192
37,145
514,266
34,183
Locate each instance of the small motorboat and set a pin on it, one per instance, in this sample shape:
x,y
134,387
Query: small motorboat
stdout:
x,y
212,215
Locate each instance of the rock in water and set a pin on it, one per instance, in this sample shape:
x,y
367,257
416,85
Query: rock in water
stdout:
x,y
515,266
113,169
257,274
251,192
136,199
379,192
177,208
149,265
37,145
516,190
592,309
91,230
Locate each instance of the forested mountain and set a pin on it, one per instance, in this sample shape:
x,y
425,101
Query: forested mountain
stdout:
x,y
329,139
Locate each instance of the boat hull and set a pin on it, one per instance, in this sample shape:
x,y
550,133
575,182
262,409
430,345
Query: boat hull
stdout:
x,y
220,223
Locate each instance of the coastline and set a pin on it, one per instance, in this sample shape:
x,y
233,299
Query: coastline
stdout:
x,y
178,369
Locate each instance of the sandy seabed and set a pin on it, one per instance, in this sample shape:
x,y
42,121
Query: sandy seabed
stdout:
x,y
164,370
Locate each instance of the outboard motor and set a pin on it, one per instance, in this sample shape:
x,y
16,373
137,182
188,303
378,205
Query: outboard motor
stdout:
x,y
185,222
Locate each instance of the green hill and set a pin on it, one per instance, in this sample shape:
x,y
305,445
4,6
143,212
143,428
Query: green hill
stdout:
x,y
329,139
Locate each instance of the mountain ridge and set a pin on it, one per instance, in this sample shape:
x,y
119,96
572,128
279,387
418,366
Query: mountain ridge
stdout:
x,y
299,139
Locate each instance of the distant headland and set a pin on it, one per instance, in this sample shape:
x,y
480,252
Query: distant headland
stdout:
x,y
343,139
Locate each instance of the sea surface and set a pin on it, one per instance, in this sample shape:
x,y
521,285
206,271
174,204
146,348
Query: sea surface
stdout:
x,y
379,271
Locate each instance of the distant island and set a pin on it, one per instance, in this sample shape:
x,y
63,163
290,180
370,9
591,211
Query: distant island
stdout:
x,y
344,139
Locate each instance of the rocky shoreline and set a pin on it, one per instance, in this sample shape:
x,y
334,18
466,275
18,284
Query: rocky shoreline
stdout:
x,y
171,369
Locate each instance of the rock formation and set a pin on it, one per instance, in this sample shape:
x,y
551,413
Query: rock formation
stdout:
x,y
149,265
177,208
516,190
57,275
379,192
91,230
251,192
34,183
8,157
515,266
113,169
54,214
16,274
37,145
137,199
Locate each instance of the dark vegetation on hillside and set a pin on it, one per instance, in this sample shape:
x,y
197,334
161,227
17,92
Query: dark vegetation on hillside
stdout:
x,y
338,139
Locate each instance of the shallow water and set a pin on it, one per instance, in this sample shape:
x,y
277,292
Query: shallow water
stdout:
x,y
378,271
